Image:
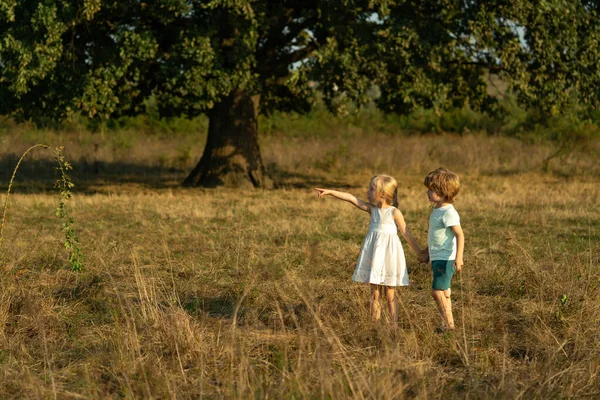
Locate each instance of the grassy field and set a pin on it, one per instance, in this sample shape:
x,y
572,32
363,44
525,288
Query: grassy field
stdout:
x,y
193,293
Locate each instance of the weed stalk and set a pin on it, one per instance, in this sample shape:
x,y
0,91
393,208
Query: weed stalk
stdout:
x,y
64,186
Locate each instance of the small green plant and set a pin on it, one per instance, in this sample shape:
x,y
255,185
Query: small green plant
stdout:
x,y
64,186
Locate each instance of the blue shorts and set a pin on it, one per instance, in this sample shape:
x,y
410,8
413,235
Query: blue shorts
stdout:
x,y
443,271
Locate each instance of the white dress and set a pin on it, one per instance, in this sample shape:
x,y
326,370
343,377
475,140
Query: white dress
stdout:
x,y
381,260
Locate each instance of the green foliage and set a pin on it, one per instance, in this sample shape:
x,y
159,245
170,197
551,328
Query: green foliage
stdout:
x,y
437,54
110,59
576,126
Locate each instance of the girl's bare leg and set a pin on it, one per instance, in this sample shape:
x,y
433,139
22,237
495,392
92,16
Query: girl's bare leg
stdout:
x,y
376,302
390,292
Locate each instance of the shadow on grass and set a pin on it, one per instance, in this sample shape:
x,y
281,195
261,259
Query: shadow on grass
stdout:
x,y
40,175
84,287
223,306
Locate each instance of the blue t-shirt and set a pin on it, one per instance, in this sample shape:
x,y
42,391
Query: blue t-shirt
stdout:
x,y
440,238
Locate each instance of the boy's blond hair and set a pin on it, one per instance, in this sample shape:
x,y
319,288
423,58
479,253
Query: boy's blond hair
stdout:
x,y
387,187
444,183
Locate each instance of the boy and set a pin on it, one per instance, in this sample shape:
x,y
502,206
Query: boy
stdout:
x,y
445,240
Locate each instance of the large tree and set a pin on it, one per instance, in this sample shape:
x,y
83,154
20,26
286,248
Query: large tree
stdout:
x,y
234,59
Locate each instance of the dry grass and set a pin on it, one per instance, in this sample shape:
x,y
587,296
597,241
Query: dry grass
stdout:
x,y
247,294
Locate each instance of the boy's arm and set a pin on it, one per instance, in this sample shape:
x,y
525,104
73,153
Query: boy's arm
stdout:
x,y
346,197
460,246
425,254
410,239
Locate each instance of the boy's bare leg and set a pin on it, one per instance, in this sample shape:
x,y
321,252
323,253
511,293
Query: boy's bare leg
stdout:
x,y
444,307
390,292
376,302
448,308
438,296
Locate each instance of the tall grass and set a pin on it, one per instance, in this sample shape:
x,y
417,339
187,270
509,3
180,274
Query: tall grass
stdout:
x,y
194,293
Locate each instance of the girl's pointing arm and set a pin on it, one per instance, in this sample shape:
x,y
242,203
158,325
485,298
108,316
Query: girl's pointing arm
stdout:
x,y
350,198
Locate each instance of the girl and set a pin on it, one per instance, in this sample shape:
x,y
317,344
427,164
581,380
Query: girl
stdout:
x,y
381,261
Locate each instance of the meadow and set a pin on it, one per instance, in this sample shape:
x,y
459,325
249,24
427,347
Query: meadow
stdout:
x,y
237,294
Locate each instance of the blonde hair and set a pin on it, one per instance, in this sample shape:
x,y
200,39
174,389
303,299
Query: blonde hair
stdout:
x,y
444,183
386,187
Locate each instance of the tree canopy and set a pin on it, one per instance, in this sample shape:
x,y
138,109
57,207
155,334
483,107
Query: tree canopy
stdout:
x,y
107,57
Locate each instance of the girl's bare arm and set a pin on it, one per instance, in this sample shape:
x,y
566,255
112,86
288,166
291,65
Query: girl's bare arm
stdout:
x,y
410,239
362,205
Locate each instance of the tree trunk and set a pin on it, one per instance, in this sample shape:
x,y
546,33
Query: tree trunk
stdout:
x,y
232,157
